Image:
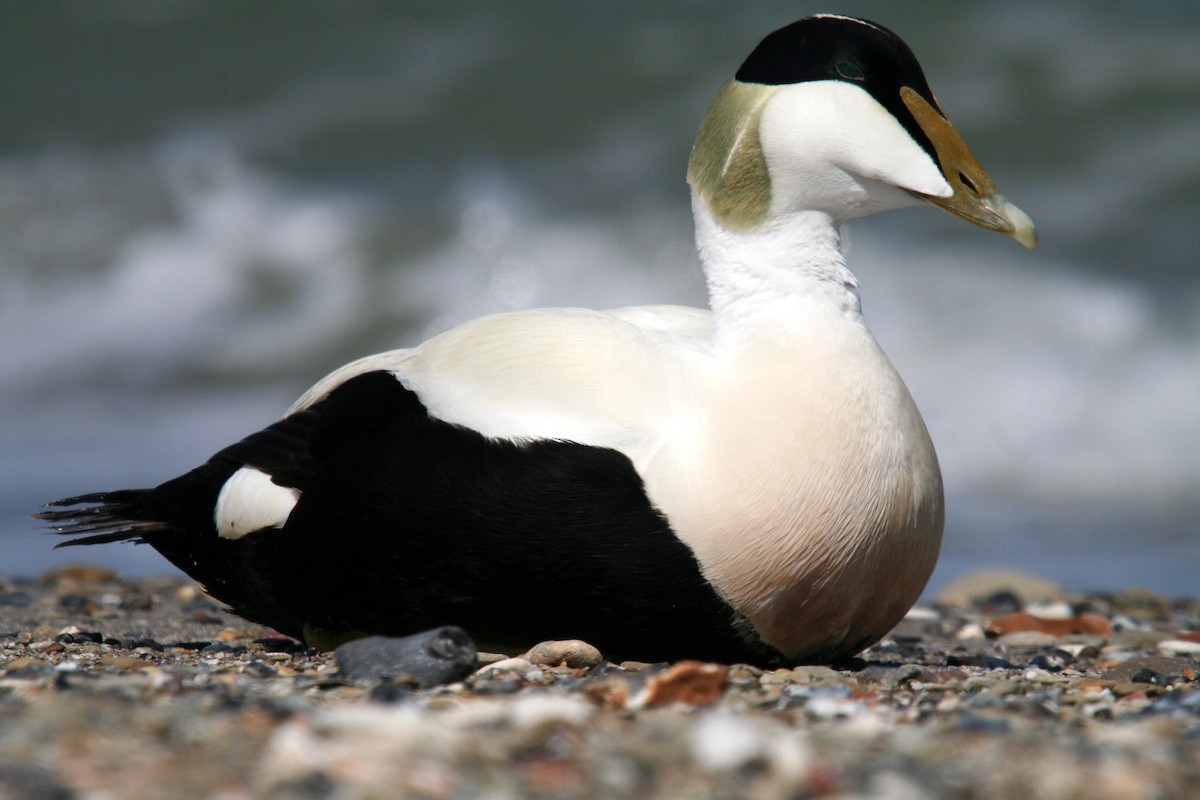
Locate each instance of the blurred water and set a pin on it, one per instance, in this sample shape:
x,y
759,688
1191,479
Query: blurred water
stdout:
x,y
205,207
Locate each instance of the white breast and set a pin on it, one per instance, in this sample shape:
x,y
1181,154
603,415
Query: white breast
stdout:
x,y
809,490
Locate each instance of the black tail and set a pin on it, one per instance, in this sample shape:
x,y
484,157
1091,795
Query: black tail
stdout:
x,y
176,519
180,508
105,517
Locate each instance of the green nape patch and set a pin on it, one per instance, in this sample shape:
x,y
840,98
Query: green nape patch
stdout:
x,y
727,167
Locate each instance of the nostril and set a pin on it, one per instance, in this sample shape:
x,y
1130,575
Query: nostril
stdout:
x,y
970,184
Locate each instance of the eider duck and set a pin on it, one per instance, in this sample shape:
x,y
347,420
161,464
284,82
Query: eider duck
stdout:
x,y
751,483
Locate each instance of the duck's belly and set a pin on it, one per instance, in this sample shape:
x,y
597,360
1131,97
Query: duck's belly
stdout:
x,y
815,507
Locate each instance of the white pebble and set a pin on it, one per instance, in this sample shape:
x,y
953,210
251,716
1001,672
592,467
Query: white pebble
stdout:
x,y
1038,675
1051,610
1123,624
972,631
1028,639
521,666
722,742
948,703
832,707
922,613
1178,647
535,712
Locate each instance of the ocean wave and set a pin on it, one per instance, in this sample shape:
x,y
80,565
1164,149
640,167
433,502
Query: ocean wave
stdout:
x,y
1037,380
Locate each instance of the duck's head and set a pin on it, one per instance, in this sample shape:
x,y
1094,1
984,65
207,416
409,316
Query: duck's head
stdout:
x,y
834,114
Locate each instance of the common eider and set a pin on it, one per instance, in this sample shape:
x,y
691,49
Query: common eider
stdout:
x,y
750,483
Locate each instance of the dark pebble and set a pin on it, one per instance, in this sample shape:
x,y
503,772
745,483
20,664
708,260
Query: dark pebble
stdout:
x,y
435,657
1002,602
80,637
392,691
229,699
65,681
37,669
890,675
261,669
1146,675
137,601
74,602
1053,661
313,784
17,599
853,664
1175,703
973,723
32,783
281,644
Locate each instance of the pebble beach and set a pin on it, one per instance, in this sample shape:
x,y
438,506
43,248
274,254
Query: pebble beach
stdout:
x,y
1003,685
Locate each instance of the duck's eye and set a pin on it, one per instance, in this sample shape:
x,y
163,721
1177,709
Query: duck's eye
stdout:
x,y
850,70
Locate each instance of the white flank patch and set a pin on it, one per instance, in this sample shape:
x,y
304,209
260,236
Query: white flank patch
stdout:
x,y
250,501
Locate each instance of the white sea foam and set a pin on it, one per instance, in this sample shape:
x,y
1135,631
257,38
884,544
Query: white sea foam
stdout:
x,y
1037,380
230,270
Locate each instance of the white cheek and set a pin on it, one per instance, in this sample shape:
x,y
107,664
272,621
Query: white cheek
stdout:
x,y
249,501
822,138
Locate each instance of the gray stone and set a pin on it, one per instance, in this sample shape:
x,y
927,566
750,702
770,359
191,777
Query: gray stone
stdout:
x,y
432,658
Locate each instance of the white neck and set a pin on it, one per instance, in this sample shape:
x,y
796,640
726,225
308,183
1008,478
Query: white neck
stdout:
x,y
783,276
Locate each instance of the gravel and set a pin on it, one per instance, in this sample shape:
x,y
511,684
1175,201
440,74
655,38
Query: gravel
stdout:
x,y
114,687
